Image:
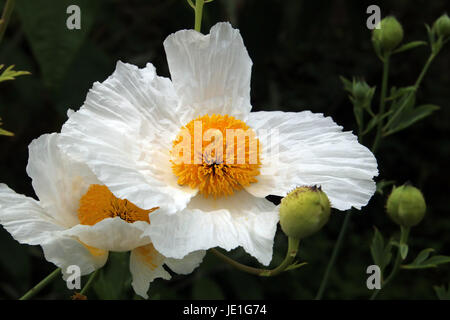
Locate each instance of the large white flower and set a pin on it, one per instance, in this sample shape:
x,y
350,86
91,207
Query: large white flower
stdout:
x,y
77,220
130,127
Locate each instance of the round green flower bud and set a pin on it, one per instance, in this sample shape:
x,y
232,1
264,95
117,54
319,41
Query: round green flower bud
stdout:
x,y
304,211
442,26
389,35
360,90
406,206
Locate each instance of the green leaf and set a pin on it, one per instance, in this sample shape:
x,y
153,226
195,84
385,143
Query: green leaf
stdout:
x,y
399,92
114,280
422,256
374,121
423,262
377,248
381,254
410,117
10,74
5,133
442,292
53,44
410,45
348,85
206,289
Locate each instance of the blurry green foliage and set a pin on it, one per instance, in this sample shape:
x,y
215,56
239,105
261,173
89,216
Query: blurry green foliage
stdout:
x,y
54,45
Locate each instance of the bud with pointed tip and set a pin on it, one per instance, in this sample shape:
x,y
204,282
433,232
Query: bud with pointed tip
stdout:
x,y
406,205
389,35
304,211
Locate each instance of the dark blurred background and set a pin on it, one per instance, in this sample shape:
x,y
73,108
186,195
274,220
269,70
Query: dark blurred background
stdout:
x,y
299,49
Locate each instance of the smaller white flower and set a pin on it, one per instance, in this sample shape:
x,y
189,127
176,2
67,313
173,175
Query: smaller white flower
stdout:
x,y
77,220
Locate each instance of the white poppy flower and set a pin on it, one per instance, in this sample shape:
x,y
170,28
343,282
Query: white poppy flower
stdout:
x,y
129,128
77,220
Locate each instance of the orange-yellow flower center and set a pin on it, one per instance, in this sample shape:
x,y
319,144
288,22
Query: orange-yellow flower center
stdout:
x,y
99,203
216,154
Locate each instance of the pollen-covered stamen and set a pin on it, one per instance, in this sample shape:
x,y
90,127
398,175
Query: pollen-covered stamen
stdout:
x,y
216,154
99,203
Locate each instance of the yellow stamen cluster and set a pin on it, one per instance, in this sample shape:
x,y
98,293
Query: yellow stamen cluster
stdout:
x,y
99,203
224,155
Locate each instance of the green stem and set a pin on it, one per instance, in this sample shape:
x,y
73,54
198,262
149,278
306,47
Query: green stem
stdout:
x,y
6,15
89,282
198,14
425,69
290,256
398,260
33,291
334,255
384,85
416,87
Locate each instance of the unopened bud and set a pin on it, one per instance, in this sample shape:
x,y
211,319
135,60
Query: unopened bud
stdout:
x,y
442,26
389,35
304,211
406,206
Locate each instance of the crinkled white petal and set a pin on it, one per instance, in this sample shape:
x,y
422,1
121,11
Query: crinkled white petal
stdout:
x,y
124,121
186,265
211,73
66,251
111,234
24,218
59,181
28,223
312,150
146,264
238,220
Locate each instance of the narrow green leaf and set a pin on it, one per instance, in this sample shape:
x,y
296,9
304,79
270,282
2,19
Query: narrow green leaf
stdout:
x,y
398,92
437,260
410,45
432,262
422,256
6,133
348,85
409,118
377,248
374,121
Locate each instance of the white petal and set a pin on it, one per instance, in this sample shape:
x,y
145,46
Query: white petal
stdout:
x,y
66,251
59,181
188,264
124,121
313,150
24,218
111,234
238,220
146,264
211,73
